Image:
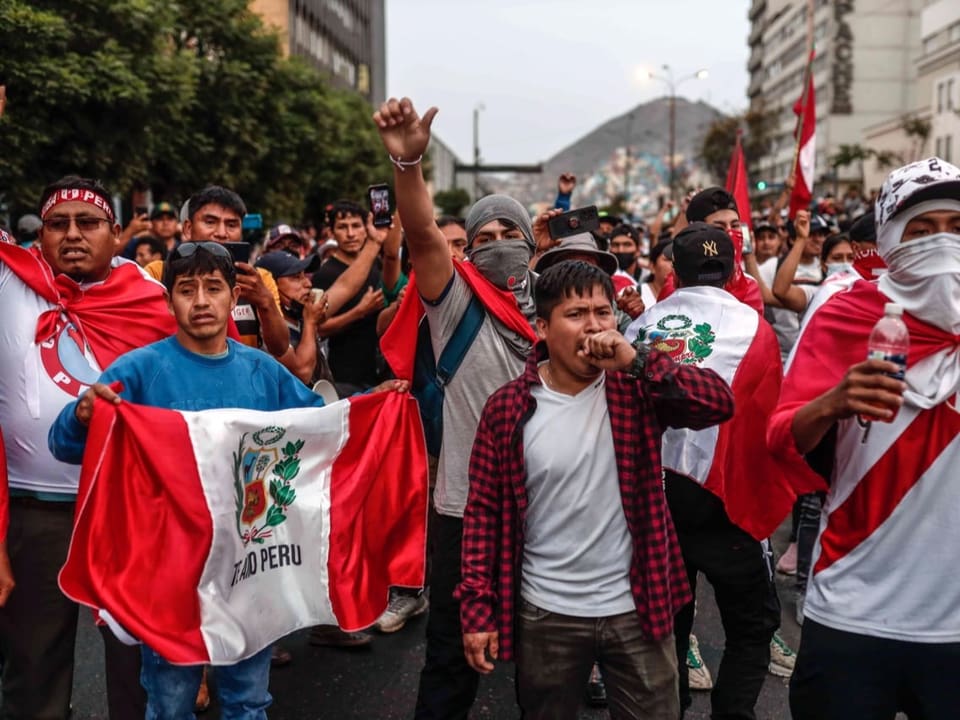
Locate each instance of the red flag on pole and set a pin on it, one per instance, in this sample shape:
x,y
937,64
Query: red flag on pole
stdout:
x,y
805,155
737,183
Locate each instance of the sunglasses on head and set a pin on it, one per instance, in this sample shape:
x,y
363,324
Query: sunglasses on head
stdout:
x,y
187,249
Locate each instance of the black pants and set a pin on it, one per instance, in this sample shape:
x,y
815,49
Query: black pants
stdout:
x,y
740,569
38,625
126,698
808,527
842,675
448,685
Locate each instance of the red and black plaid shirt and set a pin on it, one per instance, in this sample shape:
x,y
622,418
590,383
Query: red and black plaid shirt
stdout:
x,y
668,395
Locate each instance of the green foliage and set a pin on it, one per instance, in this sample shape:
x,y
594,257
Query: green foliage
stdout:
x,y
721,136
452,202
175,96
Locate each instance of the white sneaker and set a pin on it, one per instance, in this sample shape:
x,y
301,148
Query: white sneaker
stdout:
x,y
782,658
402,607
697,672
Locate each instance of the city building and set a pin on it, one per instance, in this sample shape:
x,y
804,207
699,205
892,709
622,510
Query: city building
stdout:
x,y
346,39
936,116
863,74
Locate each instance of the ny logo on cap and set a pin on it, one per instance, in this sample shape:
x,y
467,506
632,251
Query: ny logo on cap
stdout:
x,y
710,248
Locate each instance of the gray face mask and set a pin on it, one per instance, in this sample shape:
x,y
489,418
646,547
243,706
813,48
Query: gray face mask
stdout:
x,y
505,263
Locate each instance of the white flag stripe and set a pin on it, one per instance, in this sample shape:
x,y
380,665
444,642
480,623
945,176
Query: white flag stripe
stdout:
x,y
262,580
672,323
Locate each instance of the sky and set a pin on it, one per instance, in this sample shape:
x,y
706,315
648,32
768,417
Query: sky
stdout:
x,y
549,71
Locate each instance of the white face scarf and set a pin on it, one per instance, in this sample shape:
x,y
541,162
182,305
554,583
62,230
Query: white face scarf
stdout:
x,y
924,278
923,274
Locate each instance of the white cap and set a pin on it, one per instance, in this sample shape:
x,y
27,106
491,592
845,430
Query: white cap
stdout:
x,y
892,309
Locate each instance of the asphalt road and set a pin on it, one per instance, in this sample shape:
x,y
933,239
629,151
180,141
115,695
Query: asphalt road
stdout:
x,y
381,682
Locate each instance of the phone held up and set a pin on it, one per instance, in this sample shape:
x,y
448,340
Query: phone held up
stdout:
x,y
379,199
239,250
581,220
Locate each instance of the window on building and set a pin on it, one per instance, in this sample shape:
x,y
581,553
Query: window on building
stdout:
x,y
938,147
940,90
954,32
949,93
948,148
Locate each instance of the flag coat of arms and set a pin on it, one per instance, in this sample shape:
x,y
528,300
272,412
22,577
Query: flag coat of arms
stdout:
x,y
209,535
708,327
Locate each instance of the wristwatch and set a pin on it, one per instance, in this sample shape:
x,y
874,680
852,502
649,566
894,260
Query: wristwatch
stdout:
x,y
640,361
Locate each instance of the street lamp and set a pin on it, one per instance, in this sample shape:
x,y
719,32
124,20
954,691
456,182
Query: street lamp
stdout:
x,y
672,84
476,146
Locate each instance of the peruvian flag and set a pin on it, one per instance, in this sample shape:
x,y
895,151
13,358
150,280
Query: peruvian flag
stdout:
x,y
209,535
806,111
708,327
737,183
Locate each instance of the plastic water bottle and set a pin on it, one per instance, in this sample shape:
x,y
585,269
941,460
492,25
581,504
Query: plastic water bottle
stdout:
x,y
890,339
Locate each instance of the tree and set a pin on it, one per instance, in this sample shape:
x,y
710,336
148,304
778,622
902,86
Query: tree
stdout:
x,y
720,138
918,129
175,96
849,154
452,202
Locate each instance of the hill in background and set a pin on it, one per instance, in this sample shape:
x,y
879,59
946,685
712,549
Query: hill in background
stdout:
x,y
600,159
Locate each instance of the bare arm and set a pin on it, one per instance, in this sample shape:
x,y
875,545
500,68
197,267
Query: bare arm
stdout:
x,y
405,135
352,280
866,389
386,315
789,295
302,360
753,270
391,253
371,302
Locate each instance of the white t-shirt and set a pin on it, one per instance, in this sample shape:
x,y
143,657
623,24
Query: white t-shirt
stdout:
x,y
786,323
36,381
889,530
489,363
577,547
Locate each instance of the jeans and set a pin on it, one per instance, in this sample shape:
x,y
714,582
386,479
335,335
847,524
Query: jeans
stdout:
x,y
242,688
448,685
808,527
555,654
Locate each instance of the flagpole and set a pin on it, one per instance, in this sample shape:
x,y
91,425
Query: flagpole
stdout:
x,y
806,87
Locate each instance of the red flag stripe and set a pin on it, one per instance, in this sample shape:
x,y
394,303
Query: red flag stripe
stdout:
x,y
376,477
880,491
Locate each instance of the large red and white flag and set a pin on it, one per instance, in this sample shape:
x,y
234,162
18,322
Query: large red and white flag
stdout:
x,y
806,110
209,535
708,327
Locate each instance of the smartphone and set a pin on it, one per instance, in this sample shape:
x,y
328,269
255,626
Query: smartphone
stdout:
x,y
239,250
379,197
140,210
581,220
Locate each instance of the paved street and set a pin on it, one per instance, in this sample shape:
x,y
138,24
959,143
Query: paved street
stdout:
x,y
380,683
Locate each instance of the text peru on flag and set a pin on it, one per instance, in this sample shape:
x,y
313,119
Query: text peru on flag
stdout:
x,y
209,535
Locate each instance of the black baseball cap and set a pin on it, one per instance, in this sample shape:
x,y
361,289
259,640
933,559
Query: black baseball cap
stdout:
x,y
864,228
707,202
702,253
280,263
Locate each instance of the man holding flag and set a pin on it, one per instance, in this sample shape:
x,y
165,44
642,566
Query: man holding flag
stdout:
x,y
725,492
197,369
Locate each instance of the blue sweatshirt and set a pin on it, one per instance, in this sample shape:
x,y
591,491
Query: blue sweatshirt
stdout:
x,y
167,375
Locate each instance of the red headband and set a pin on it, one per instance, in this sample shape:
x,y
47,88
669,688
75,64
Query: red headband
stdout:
x,y
77,195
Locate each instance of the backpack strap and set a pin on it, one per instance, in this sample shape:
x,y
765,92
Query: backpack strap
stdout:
x,y
456,348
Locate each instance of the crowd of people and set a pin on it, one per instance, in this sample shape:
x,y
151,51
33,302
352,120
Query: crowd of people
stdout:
x,y
612,416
